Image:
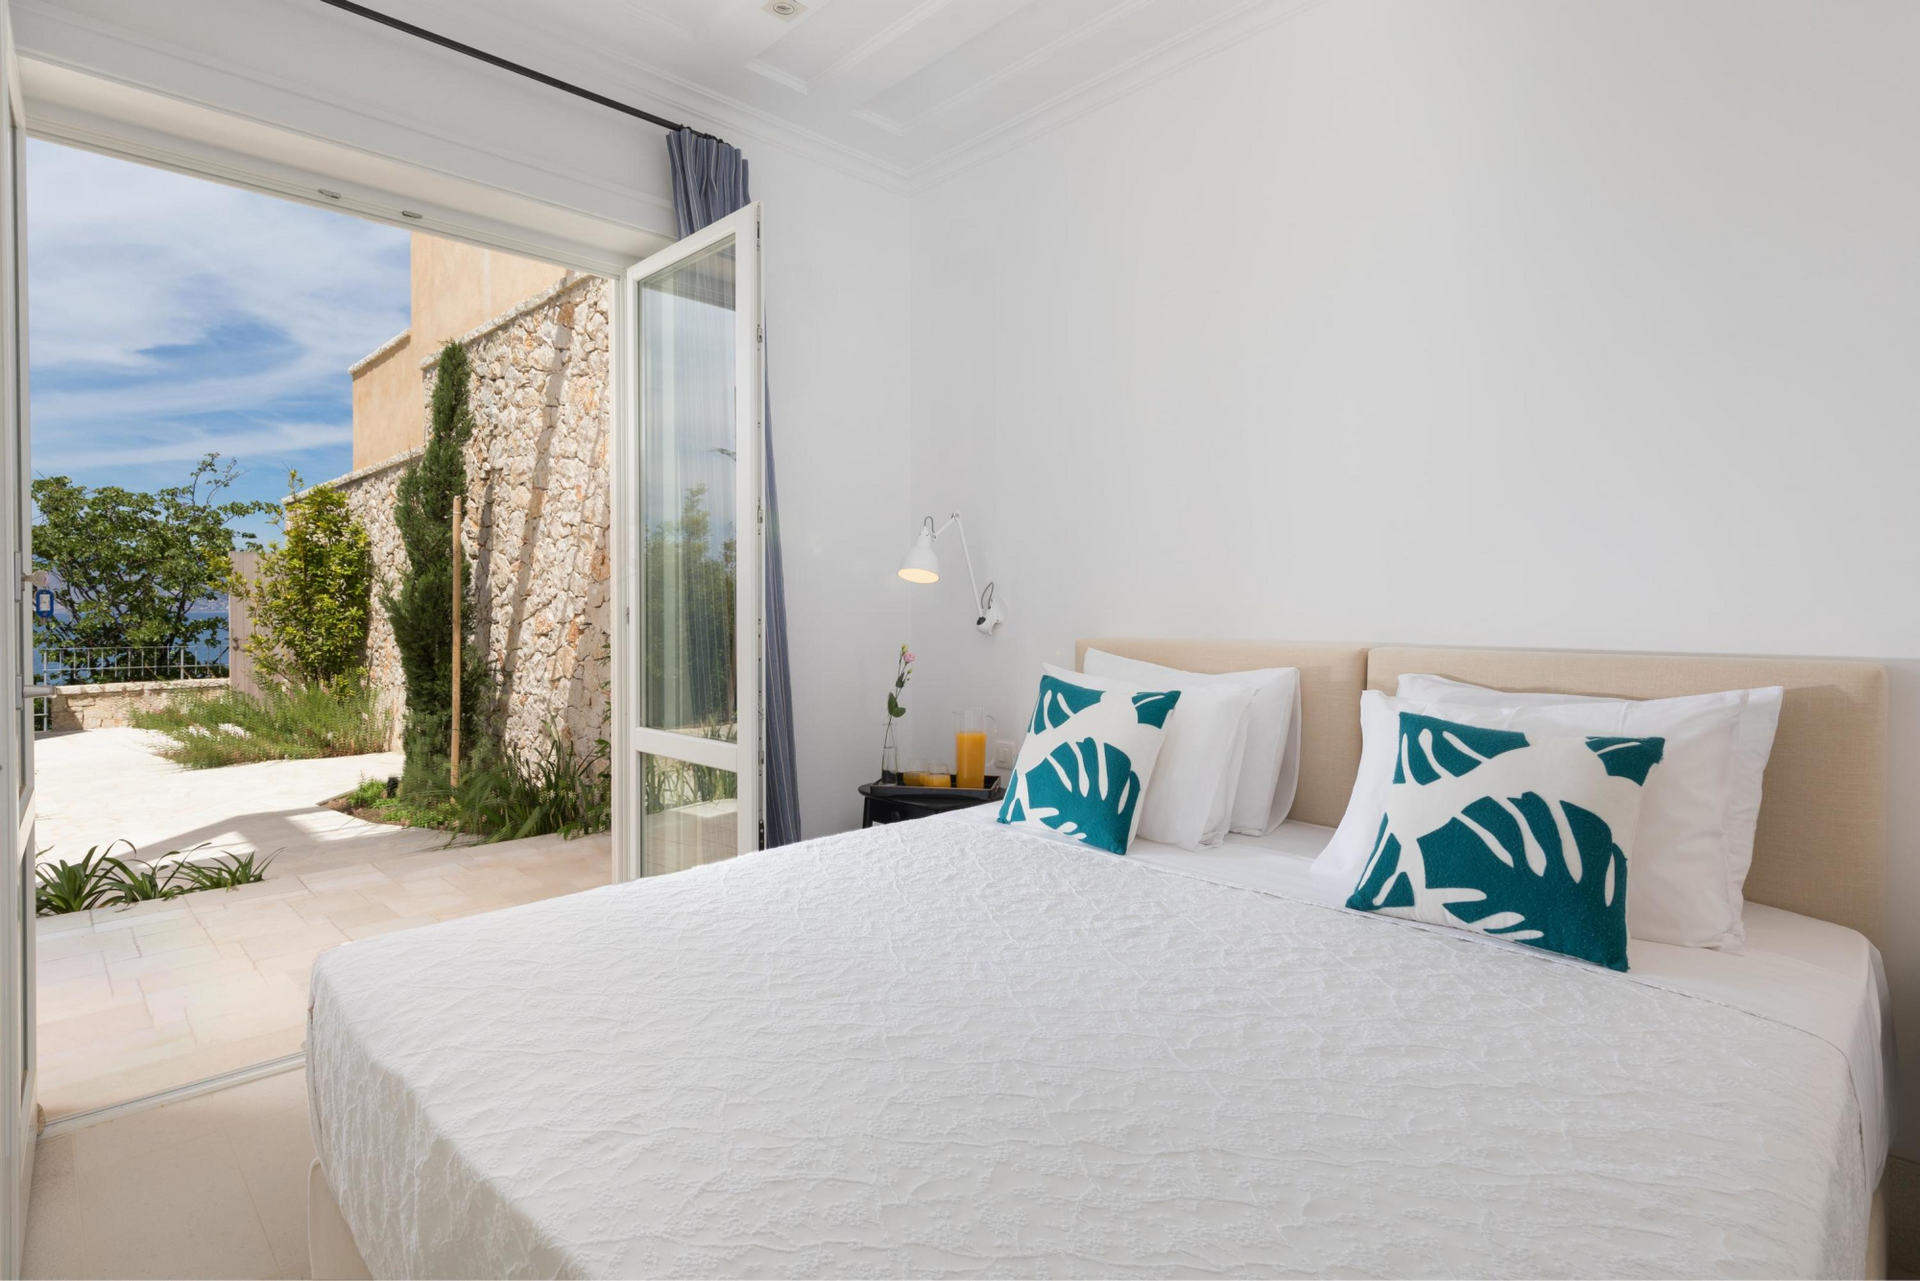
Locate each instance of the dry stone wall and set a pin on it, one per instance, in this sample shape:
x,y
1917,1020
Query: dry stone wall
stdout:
x,y
536,528
112,706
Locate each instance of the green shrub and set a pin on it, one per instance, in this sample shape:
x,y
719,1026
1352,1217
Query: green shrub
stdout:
x,y
564,791
370,792
313,592
229,871
63,887
290,722
149,882
421,611
102,879
501,799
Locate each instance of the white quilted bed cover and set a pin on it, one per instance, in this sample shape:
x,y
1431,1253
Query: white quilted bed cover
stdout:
x,y
942,1048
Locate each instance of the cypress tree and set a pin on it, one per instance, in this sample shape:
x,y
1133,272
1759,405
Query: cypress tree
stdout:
x,y
421,612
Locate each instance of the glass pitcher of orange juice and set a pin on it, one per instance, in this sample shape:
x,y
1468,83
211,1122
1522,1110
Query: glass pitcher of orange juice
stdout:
x,y
973,728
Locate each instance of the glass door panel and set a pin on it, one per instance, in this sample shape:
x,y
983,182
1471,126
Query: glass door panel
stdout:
x,y
689,519
696,594
692,814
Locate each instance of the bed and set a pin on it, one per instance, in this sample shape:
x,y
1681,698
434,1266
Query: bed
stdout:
x,y
951,1047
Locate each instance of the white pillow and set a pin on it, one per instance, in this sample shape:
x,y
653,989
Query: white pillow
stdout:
x,y
1525,837
1270,771
1189,796
1336,869
1683,889
1085,763
1669,912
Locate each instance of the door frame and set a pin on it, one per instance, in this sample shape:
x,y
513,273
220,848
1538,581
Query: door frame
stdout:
x,y
19,1120
19,1126
746,757
264,182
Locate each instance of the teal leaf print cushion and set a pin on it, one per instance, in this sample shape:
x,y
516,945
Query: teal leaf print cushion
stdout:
x,y
1514,836
1086,760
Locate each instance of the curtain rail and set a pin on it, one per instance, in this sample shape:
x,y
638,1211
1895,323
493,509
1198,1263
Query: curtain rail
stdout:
x,y
552,82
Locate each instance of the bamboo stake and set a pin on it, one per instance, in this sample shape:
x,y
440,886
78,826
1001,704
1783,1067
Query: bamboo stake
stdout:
x,y
453,777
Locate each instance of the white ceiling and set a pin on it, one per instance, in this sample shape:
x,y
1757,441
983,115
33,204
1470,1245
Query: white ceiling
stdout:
x,y
913,88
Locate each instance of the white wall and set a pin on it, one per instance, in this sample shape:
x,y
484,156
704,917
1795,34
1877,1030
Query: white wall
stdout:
x,y
838,358
1587,325
322,93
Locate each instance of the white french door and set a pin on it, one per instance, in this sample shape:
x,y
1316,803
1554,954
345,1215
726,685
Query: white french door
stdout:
x,y
18,1127
691,450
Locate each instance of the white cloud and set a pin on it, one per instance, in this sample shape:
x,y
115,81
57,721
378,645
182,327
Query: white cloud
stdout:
x,y
152,299
189,443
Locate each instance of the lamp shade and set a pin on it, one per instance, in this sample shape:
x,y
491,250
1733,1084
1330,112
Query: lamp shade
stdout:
x,y
921,565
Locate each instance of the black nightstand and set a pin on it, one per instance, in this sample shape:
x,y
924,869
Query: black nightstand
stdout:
x,y
895,803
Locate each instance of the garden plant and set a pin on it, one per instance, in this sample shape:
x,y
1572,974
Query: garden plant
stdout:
x,y
103,879
421,611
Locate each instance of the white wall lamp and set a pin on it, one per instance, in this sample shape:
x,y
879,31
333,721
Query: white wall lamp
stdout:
x,y
921,565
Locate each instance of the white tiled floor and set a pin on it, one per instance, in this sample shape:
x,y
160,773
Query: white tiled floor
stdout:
x,y
212,1187
139,1000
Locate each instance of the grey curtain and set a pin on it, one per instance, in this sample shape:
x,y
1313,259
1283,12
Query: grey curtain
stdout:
x,y
710,182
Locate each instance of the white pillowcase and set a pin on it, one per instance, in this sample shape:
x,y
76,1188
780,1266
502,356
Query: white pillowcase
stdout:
x,y
1686,874
1189,797
1336,869
1270,771
1673,908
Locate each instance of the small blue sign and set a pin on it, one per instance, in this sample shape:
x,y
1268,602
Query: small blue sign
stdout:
x,y
43,602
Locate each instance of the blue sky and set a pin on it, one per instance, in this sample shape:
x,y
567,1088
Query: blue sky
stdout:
x,y
170,316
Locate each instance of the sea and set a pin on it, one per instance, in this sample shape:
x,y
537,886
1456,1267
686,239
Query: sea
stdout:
x,y
60,666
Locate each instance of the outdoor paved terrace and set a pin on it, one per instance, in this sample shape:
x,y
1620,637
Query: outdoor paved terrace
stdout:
x,y
141,999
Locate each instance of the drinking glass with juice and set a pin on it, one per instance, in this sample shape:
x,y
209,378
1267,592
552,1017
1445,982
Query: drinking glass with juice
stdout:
x,y
975,727
925,773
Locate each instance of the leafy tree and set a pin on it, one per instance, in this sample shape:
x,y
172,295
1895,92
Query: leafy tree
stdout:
x,y
421,612
127,568
314,590
689,616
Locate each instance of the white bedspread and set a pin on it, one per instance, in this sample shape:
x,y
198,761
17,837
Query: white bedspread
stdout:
x,y
944,1048
1822,978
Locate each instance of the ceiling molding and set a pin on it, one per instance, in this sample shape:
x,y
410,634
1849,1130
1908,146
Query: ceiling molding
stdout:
x,y
1143,69
647,13
627,76
735,119
728,115
785,80
1020,66
887,35
634,79
879,121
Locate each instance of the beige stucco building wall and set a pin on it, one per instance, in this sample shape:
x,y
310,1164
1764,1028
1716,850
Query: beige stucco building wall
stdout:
x,y
386,402
456,288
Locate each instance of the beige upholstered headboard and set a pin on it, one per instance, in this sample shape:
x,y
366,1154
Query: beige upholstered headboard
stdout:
x,y
1331,678
1821,846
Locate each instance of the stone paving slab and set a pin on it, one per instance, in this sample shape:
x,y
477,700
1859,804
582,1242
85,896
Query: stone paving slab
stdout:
x,y
137,1000
99,786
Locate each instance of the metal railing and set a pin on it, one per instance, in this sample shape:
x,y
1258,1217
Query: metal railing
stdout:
x,y
111,664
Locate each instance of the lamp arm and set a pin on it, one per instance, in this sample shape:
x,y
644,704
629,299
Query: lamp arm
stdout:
x,y
965,551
